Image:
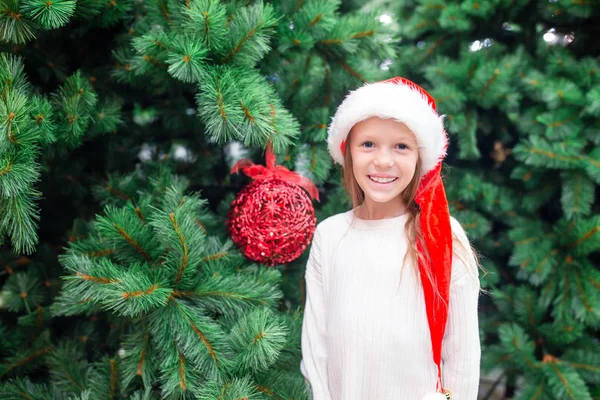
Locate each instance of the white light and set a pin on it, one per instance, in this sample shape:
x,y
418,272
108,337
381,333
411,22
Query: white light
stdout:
x,y
480,44
182,153
121,353
385,19
385,65
146,151
549,37
303,162
475,46
234,151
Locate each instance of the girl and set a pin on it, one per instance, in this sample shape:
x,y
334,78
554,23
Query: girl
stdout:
x,y
391,285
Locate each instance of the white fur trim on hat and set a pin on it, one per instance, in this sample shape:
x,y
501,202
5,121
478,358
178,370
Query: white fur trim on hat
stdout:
x,y
391,100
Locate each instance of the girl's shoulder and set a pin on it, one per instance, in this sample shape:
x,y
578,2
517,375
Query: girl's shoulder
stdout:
x,y
334,225
458,232
463,252
460,240
335,222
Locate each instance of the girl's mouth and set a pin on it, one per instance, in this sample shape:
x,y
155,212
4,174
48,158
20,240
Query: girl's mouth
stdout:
x,y
381,180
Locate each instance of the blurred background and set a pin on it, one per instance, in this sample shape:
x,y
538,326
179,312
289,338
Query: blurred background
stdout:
x,y
121,121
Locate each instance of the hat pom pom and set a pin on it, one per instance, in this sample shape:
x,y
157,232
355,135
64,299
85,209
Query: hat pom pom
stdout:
x,y
434,396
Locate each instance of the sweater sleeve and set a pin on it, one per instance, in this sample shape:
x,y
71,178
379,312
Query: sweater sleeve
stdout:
x,y
314,329
461,351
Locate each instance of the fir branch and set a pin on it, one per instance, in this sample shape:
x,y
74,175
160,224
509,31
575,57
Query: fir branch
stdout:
x,y
258,338
137,358
429,51
240,44
198,332
68,368
107,117
139,293
563,383
184,260
132,242
96,279
224,294
165,11
14,28
182,384
208,20
542,263
114,10
538,151
588,235
51,14
489,82
363,34
249,34
117,193
140,366
136,293
28,358
18,217
581,292
23,388
351,71
186,59
113,379
515,340
200,225
588,367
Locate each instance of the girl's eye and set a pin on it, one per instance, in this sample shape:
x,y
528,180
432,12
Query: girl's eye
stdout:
x,y
368,144
402,146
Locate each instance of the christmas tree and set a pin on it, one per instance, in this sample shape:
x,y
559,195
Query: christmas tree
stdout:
x,y
519,84
121,121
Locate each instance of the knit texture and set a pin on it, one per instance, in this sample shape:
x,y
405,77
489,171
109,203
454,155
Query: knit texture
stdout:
x,y
365,334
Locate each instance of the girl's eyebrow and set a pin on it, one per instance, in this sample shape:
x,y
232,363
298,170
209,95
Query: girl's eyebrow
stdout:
x,y
404,138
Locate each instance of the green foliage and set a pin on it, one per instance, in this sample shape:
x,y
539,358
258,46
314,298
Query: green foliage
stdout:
x,y
13,27
49,14
517,83
185,310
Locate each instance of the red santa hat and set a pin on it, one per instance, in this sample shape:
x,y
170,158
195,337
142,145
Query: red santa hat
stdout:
x,y
406,102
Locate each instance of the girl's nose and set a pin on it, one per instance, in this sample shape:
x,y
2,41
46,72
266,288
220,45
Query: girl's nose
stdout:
x,y
383,161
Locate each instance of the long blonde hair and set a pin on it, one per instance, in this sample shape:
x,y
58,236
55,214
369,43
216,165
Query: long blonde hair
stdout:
x,y
412,227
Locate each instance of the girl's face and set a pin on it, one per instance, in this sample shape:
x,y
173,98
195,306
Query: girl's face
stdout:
x,y
384,157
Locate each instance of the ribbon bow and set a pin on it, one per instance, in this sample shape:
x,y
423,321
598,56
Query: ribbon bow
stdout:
x,y
272,171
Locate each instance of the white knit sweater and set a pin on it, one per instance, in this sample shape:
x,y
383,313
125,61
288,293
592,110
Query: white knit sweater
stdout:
x,y
365,334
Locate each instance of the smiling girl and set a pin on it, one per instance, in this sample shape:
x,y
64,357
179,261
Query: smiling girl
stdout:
x,y
392,285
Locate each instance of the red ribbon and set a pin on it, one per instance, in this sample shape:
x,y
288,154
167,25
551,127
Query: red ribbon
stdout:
x,y
272,171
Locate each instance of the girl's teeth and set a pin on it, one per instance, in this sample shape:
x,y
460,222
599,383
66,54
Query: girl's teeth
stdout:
x,y
382,180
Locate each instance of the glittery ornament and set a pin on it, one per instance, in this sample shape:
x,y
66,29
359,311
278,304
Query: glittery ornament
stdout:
x,y
272,220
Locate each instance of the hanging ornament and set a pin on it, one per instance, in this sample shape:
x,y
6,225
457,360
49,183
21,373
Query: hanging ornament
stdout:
x,y
272,220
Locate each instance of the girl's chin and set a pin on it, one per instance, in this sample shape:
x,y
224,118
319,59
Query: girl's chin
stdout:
x,y
382,193
379,198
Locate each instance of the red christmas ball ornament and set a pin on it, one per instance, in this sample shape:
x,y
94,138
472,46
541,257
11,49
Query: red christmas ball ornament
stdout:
x,y
272,220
